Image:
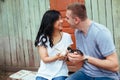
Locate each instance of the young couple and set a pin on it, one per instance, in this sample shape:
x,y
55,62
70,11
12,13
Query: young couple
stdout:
x,y
93,39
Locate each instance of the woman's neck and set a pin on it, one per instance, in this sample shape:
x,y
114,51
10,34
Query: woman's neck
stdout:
x,y
56,33
57,36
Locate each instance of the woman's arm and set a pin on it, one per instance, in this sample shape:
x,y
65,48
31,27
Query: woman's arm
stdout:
x,y
46,58
44,55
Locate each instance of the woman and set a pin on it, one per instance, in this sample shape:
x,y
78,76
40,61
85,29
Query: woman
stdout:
x,y
52,44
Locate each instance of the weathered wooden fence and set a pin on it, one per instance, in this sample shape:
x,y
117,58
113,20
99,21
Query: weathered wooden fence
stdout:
x,y
19,24
20,20
106,12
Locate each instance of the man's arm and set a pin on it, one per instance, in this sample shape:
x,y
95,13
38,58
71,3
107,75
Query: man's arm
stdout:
x,y
109,63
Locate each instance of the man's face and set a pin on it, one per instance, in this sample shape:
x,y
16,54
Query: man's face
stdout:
x,y
70,19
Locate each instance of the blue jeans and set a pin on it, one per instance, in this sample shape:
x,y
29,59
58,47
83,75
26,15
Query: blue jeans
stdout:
x,y
60,78
56,78
79,75
40,78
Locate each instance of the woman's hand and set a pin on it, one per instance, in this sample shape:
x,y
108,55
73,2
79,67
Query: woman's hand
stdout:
x,y
61,56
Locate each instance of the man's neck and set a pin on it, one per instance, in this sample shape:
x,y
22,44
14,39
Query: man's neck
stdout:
x,y
84,26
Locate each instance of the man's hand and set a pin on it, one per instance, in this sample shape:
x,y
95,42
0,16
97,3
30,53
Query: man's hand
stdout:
x,y
75,57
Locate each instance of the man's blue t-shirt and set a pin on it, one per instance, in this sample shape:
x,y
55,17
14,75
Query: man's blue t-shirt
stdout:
x,y
97,43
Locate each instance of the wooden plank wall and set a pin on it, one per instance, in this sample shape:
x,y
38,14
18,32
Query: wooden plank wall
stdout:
x,y
106,12
19,24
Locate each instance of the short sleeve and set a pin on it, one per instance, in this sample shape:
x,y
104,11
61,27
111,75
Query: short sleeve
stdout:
x,y
105,42
40,43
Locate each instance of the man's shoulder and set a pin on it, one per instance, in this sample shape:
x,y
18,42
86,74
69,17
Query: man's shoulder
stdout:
x,y
98,26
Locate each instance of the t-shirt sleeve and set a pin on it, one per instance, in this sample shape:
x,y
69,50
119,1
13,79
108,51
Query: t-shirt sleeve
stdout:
x,y
40,43
105,42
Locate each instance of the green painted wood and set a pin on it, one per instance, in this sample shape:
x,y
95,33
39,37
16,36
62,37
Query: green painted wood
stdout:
x,y
6,38
25,25
89,8
94,4
37,20
11,32
109,16
32,33
2,61
19,24
102,11
116,20
20,54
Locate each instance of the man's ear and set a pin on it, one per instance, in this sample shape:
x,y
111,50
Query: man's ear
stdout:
x,y
77,20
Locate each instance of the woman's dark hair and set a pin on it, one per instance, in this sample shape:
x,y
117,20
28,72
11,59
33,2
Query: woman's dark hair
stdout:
x,y
47,27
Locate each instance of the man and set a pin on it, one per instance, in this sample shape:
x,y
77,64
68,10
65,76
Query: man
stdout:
x,y
95,41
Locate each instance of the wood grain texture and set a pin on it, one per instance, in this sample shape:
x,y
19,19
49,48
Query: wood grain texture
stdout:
x,y
19,24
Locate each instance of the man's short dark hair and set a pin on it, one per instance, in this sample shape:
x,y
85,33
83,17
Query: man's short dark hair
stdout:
x,y
78,10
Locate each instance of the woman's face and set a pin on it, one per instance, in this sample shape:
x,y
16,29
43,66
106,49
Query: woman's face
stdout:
x,y
58,24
